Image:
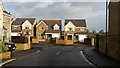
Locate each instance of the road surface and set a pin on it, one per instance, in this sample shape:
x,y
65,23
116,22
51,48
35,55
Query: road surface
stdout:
x,y
52,55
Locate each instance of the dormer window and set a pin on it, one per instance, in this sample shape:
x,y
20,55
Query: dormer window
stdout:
x,y
56,27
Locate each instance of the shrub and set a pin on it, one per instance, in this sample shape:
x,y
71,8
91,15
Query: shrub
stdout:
x,y
52,40
3,48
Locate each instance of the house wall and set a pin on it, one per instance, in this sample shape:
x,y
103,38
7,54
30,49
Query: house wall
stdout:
x,y
7,24
55,35
17,29
15,34
82,37
79,29
38,31
28,24
33,28
1,21
69,25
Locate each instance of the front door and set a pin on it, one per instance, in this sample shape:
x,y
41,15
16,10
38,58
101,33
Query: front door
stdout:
x,y
69,37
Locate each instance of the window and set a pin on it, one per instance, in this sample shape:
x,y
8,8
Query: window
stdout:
x,y
15,27
26,27
77,37
41,28
81,29
69,37
41,35
56,28
70,29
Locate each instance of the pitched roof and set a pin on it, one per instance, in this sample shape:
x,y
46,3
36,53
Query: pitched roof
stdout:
x,y
6,12
20,21
50,24
77,22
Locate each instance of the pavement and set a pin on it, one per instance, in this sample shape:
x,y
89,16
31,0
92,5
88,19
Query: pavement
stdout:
x,y
99,59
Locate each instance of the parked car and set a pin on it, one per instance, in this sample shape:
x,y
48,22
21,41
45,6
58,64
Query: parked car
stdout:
x,y
11,46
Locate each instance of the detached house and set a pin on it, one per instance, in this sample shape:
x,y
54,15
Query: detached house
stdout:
x,y
48,28
7,20
23,26
75,29
1,21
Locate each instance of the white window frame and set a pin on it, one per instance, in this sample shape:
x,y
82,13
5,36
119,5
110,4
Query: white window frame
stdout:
x,y
56,28
71,29
81,29
15,27
41,28
27,27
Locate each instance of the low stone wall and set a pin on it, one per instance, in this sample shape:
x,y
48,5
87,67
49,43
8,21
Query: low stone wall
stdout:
x,y
112,49
114,46
68,42
5,55
89,41
35,40
22,46
65,41
59,41
102,44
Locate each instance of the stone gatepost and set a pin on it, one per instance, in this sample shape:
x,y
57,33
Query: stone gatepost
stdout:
x,y
29,42
92,41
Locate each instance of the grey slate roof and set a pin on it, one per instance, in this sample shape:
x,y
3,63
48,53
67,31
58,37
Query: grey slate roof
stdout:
x,y
77,22
50,24
6,12
20,21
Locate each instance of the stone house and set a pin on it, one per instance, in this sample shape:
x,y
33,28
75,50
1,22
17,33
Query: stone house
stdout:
x,y
1,21
23,26
48,28
75,29
7,20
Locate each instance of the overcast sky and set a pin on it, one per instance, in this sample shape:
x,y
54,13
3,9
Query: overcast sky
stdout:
x,y
93,11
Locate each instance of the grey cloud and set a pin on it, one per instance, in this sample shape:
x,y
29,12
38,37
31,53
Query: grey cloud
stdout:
x,y
91,11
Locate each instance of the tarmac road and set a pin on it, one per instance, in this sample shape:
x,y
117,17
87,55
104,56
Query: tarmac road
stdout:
x,y
53,55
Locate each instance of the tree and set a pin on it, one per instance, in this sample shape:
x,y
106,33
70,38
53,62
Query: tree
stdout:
x,y
101,31
94,32
88,31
